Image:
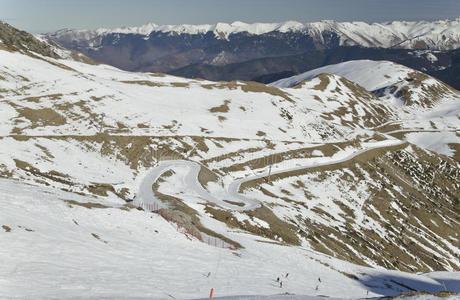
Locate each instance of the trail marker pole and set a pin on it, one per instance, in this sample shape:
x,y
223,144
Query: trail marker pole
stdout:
x,y
211,293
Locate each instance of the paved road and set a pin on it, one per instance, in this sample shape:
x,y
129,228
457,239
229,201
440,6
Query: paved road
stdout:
x,y
146,195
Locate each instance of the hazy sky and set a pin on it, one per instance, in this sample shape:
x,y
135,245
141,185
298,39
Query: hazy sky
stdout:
x,y
49,15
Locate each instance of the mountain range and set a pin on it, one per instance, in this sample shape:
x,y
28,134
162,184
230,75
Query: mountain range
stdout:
x,y
262,52
341,181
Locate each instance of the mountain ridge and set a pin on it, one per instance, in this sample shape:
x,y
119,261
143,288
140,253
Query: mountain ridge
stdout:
x,y
399,31
110,174
202,51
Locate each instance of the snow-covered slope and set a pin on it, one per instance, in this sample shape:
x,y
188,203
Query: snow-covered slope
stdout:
x,y
417,98
410,35
60,245
393,83
370,74
242,182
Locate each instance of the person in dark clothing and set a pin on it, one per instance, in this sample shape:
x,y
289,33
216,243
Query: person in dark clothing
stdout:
x,y
281,284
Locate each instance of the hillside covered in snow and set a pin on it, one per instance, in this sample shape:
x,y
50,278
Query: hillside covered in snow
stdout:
x,y
117,184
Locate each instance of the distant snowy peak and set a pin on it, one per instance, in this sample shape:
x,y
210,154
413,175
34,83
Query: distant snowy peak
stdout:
x,y
439,34
370,74
221,30
389,81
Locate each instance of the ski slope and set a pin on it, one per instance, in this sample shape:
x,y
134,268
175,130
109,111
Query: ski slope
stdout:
x,y
59,249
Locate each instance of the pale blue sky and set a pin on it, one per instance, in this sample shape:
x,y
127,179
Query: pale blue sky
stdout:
x,y
38,16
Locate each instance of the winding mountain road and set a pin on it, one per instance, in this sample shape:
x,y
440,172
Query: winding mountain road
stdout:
x,y
146,195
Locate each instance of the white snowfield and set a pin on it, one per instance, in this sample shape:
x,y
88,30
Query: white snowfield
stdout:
x,y
400,34
369,74
54,249
61,120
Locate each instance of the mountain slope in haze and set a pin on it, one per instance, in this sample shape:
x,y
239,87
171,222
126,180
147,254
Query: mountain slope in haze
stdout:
x,y
142,184
408,35
165,48
440,64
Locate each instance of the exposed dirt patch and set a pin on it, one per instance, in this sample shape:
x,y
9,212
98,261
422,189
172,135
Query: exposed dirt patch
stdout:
x,y
278,229
144,82
37,99
42,117
249,86
88,205
97,237
185,216
324,82
234,203
361,157
456,148
205,176
180,84
222,108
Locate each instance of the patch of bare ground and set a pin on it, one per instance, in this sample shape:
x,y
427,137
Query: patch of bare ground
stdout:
x,y
205,176
234,203
77,56
38,98
278,230
51,175
416,204
358,90
249,86
441,294
183,215
97,237
144,82
180,84
158,74
222,108
265,161
88,205
230,155
361,157
4,172
94,98
456,148
42,117
324,80
142,125
54,63
429,92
